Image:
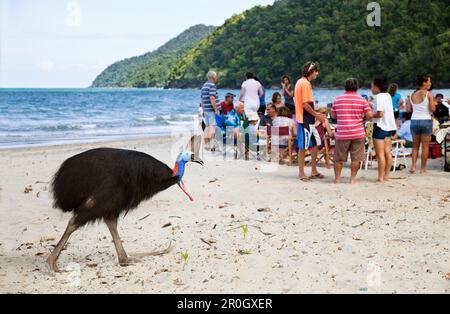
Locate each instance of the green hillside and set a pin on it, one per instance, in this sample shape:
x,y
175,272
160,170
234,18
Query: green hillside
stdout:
x,y
414,37
152,69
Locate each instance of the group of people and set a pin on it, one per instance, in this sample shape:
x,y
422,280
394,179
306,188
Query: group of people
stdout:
x,y
392,118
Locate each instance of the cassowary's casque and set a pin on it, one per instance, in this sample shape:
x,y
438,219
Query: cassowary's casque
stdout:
x,y
104,183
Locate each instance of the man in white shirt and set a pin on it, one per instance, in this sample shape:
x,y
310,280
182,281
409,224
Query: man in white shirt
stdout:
x,y
251,92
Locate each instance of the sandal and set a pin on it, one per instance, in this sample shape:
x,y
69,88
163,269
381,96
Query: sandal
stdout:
x,y
304,179
317,176
399,167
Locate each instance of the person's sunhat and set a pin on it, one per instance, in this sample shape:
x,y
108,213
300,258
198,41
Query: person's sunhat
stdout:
x,y
253,116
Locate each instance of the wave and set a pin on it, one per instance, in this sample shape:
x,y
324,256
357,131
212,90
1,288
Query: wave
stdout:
x,y
164,120
68,127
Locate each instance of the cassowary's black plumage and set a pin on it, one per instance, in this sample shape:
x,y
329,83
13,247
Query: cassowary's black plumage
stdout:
x,y
103,183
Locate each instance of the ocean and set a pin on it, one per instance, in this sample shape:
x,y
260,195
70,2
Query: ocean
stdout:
x,y
40,117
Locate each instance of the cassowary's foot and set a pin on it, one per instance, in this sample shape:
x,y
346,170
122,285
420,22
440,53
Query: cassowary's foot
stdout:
x,y
154,253
52,264
51,261
129,261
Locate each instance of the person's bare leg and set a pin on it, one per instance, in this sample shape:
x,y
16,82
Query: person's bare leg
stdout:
x,y
337,172
207,138
379,149
314,155
354,171
425,152
301,165
52,259
239,141
122,255
388,157
212,137
415,153
327,163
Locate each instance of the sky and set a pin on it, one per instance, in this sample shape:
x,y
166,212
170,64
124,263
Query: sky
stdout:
x,y
60,43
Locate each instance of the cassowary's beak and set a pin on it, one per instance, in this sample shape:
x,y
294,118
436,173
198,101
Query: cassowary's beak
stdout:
x,y
198,161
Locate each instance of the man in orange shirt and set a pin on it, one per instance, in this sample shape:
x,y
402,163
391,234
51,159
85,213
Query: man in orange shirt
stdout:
x,y
306,118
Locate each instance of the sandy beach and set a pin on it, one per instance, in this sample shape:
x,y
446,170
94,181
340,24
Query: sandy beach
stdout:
x,y
302,238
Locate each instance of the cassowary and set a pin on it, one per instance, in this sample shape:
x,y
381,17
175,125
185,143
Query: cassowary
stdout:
x,y
102,184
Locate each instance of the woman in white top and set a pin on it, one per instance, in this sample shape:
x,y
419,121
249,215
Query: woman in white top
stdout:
x,y
421,104
384,128
251,92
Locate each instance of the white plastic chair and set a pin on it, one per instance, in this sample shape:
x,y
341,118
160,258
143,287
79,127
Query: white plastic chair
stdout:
x,y
399,150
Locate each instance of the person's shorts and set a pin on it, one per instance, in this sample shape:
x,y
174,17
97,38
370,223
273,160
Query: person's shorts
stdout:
x,y
210,119
421,127
379,134
397,114
306,138
356,148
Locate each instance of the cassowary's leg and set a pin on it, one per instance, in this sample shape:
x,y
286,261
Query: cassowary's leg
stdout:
x,y
71,227
123,257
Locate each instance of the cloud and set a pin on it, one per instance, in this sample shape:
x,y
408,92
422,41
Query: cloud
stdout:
x,y
49,66
73,18
46,65
86,68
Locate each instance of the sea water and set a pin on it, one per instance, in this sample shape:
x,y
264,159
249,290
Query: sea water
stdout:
x,y
37,117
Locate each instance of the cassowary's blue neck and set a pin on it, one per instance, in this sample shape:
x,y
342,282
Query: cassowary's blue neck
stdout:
x,y
179,169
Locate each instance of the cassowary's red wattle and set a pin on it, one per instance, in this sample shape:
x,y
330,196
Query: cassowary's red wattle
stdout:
x,y
178,170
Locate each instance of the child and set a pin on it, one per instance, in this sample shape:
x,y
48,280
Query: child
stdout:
x,y
284,119
325,132
253,131
324,127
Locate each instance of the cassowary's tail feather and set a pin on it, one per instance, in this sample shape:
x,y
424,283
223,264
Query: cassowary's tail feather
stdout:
x,y
57,202
63,189
60,197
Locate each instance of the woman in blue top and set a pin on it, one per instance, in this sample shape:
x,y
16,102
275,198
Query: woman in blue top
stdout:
x,y
397,101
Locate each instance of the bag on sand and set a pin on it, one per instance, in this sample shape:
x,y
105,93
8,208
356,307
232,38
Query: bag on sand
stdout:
x,y
435,150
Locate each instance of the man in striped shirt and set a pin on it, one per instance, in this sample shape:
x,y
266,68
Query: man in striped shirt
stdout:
x,y
210,109
350,110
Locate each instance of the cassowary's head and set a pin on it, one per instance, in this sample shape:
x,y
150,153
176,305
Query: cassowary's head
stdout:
x,y
182,159
189,157
180,166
